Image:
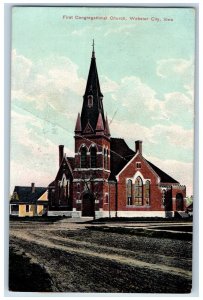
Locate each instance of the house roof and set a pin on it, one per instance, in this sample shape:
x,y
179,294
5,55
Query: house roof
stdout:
x,y
121,154
25,195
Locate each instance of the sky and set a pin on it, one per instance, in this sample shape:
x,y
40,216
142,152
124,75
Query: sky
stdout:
x,y
145,62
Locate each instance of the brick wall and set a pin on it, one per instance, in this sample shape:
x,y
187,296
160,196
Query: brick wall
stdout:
x,y
145,172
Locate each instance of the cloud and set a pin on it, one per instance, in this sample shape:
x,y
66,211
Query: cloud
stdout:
x,y
42,97
175,135
34,157
22,175
170,67
120,29
48,90
179,71
179,108
108,86
21,68
45,81
82,31
125,129
79,32
138,101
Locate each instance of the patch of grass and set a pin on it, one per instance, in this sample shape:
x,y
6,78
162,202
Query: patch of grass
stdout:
x,y
143,232
26,276
140,219
184,228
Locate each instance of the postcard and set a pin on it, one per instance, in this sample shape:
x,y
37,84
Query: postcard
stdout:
x,y
102,135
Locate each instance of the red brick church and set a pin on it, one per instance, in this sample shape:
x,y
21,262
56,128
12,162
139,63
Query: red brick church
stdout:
x,y
106,178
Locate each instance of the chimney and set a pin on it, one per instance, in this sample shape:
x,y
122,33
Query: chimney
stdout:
x,y
138,146
61,154
32,187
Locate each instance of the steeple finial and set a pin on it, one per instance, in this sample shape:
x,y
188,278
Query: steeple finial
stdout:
x,y
93,53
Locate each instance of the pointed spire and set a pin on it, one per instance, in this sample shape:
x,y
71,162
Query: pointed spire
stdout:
x,y
93,53
78,127
91,112
100,123
107,131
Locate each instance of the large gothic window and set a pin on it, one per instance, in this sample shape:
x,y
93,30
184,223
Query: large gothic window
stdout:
x,y
147,192
138,191
83,157
64,185
129,192
64,190
93,157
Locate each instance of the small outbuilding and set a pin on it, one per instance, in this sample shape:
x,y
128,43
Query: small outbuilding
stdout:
x,y
29,201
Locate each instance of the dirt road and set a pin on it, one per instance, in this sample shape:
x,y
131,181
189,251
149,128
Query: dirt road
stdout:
x,y
74,258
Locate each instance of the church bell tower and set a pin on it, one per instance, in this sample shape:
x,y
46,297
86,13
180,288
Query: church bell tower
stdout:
x,y
92,149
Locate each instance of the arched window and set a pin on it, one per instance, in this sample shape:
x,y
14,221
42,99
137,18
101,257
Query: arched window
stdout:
x,y
64,187
106,198
106,151
147,192
104,158
90,101
129,192
138,191
179,202
93,157
107,159
83,157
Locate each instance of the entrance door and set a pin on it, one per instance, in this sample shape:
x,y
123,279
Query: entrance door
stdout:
x,y
179,202
88,206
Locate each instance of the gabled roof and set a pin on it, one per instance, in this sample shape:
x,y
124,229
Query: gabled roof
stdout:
x,y
65,166
26,196
71,161
121,154
165,178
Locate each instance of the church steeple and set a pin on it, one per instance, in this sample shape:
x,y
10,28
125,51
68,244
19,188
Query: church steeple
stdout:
x,y
92,108
93,53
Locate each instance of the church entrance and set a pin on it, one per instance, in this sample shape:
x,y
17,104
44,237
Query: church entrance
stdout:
x,y
88,205
179,202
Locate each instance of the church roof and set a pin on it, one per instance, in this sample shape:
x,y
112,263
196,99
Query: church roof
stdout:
x,y
67,166
165,178
121,154
25,195
71,161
